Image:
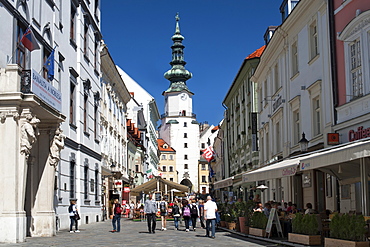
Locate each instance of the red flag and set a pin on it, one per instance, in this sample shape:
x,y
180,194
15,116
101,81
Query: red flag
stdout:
x,y
208,153
29,41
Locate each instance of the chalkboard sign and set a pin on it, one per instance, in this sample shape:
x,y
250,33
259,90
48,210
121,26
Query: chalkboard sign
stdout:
x,y
158,196
273,219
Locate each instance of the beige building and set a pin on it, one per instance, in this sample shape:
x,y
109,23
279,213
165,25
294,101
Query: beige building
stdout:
x,y
203,176
167,163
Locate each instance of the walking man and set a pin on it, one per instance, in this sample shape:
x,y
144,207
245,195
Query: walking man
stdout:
x,y
210,209
150,209
117,212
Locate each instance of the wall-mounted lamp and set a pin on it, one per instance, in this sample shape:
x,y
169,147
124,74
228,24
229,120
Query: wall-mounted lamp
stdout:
x,y
303,143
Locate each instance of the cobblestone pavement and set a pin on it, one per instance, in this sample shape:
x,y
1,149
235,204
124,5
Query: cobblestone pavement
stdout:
x,y
135,234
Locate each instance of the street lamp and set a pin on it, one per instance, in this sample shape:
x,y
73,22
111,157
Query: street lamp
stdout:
x,y
303,143
136,179
262,187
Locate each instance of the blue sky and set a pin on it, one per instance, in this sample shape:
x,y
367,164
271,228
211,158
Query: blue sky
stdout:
x,y
219,34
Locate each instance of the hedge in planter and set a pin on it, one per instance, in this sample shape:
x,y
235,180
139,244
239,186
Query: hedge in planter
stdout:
x,y
305,230
348,227
259,220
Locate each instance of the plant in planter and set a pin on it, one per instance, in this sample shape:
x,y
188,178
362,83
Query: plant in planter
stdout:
x,y
258,224
305,230
348,230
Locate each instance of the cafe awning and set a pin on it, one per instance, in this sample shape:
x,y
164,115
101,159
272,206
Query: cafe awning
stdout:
x,y
151,186
223,183
280,169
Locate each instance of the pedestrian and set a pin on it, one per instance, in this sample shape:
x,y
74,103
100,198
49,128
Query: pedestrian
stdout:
x,y
150,210
267,209
210,209
73,212
309,209
201,213
163,208
132,210
176,213
186,214
194,214
117,212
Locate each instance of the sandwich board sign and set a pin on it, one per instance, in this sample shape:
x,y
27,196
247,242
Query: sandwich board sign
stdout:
x,y
273,220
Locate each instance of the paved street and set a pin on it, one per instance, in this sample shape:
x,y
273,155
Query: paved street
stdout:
x,y
135,234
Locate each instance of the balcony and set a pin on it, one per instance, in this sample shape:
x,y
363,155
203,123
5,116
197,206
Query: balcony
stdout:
x,y
178,114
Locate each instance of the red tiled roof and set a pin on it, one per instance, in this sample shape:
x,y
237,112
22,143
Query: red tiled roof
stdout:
x,y
216,128
161,142
256,53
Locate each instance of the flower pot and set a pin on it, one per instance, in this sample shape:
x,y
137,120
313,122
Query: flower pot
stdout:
x,y
304,239
231,225
237,227
333,242
241,224
246,230
223,223
257,232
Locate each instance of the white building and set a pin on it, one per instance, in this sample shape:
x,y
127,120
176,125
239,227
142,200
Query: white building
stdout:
x,y
43,187
179,127
295,97
151,116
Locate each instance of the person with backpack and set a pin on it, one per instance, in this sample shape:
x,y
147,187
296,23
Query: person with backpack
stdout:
x,y
194,214
72,210
163,208
176,213
186,214
117,212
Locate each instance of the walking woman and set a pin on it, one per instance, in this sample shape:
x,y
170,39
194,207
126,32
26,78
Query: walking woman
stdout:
x,y
176,213
201,213
186,213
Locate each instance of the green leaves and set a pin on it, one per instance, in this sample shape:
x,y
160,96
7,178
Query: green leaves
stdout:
x,y
305,224
348,227
259,220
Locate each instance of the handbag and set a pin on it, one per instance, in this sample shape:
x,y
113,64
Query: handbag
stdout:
x,y
77,216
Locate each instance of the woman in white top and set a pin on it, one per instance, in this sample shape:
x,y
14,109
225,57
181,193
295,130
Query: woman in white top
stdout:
x,y
72,209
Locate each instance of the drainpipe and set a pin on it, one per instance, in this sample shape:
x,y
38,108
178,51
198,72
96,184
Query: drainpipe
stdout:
x,y
333,57
228,143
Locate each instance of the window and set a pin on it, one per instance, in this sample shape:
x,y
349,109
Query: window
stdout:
x,y
185,145
316,117
85,112
86,38
96,122
356,74
137,168
185,156
86,182
171,168
296,128
72,166
171,157
171,179
186,166
278,137
164,168
203,145
265,92
97,54
203,167
96,184
72,31
185,124
204,179
163,157
276,77
313,41
96,7
21,50
185,135
294,51
72,104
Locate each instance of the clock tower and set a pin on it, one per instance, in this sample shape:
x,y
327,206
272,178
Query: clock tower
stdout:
x,y
179,127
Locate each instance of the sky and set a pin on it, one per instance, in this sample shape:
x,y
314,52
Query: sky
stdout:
x,y
219,34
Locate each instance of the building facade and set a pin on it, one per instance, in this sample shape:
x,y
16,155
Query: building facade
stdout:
x,y
167,163
179,127
47,82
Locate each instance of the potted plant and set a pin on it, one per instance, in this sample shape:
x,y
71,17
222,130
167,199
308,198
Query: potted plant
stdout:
x,y
347,230
305,230
222,220
258,224
244,211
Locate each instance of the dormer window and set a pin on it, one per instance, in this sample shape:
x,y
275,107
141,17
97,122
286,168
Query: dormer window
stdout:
x,y
165,146
286,8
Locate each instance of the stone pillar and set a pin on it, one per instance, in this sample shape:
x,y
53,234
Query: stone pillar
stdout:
x,y
13,170
364,171
42,182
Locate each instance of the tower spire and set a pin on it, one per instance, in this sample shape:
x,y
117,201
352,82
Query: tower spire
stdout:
x,y
177,75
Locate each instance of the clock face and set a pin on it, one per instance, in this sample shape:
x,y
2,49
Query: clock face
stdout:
x,y
184,96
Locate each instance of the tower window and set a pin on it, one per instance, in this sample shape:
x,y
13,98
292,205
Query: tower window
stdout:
x,y
185,135
185,145
186,166
185,124
185,157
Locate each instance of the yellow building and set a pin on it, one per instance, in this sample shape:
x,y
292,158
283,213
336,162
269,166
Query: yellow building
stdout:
x,y
203,176
167,163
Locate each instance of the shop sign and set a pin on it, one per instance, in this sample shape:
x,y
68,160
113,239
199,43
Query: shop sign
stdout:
x,y
45,91
126,189
289,171
358,134
304,166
